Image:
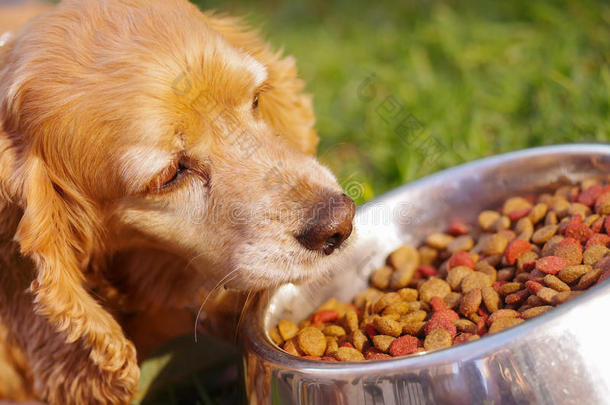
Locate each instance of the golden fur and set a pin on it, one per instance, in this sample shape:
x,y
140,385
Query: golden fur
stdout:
x,y
101,103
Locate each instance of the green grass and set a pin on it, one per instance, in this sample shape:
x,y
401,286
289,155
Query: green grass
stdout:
x,y
473,78
480,78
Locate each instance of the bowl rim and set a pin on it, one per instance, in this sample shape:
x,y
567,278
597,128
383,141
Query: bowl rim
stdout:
x,y
257,340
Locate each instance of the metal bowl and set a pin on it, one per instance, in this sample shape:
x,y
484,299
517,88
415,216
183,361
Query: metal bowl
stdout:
x,y
561,357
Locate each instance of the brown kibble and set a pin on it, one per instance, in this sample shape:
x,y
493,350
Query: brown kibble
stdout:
x,y
524,226
493,244
464,325
415,316
359,339
545,233
383,342
408,294
456,275
387,326
551,218
487,219
460,244
351,321
549,247
348,354
439,240
381,277
287,329
570,252
475,280
403,275
564,296
532,312
291,347
414,328
435,287
546,294
502,313
437,339
400,307
370,294
538,212
311,341
507,273
525,259
594,254
333,330
452,300
471,302
560,206
534,301
331,346
504,323
427,255
588,279
274,334
385,300
572,273
491,299
509,288
514,204
555,283
403,255
501,224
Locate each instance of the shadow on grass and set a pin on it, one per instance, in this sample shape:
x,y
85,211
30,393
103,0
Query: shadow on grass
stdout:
x,y
185,372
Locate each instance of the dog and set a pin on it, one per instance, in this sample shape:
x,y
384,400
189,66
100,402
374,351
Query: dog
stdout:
x,y
150,153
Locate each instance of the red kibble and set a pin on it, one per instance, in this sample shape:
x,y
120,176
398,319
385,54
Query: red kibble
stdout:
x,y
458,227
442,320
404,345
598,225
517,298
518,214
601,200
497,284
461,338
370,330
581,232
515,249
575,220
347,344
588,196
533,286
437,304
312,358
321,317
327,358
427,271
550,264
598,239
460,259
417,275
374,354
529,266
607,224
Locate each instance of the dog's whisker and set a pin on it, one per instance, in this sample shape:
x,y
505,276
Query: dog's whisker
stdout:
x,y
241,314
220,283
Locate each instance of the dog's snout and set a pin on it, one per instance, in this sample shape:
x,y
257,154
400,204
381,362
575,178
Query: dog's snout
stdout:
x,y
330,224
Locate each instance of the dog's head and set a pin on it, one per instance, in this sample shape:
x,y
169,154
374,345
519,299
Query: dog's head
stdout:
x,y
139,124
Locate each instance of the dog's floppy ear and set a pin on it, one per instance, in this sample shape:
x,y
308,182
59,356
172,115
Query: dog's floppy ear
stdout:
x,y
58,230
284,106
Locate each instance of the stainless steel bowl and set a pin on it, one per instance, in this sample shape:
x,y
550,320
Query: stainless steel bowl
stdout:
x,y
561,357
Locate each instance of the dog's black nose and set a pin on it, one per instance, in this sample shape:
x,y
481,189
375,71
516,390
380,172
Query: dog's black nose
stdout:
x,y
329,225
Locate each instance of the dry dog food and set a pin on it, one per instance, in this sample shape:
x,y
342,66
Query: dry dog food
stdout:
x,y
534,253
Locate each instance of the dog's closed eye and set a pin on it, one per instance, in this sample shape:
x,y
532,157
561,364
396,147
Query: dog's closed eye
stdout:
x,y
170,176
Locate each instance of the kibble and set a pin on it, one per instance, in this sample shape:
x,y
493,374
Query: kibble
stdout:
x,y
520,262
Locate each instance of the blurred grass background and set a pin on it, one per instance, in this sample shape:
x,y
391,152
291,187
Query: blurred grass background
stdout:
x,y
403,89
474,78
